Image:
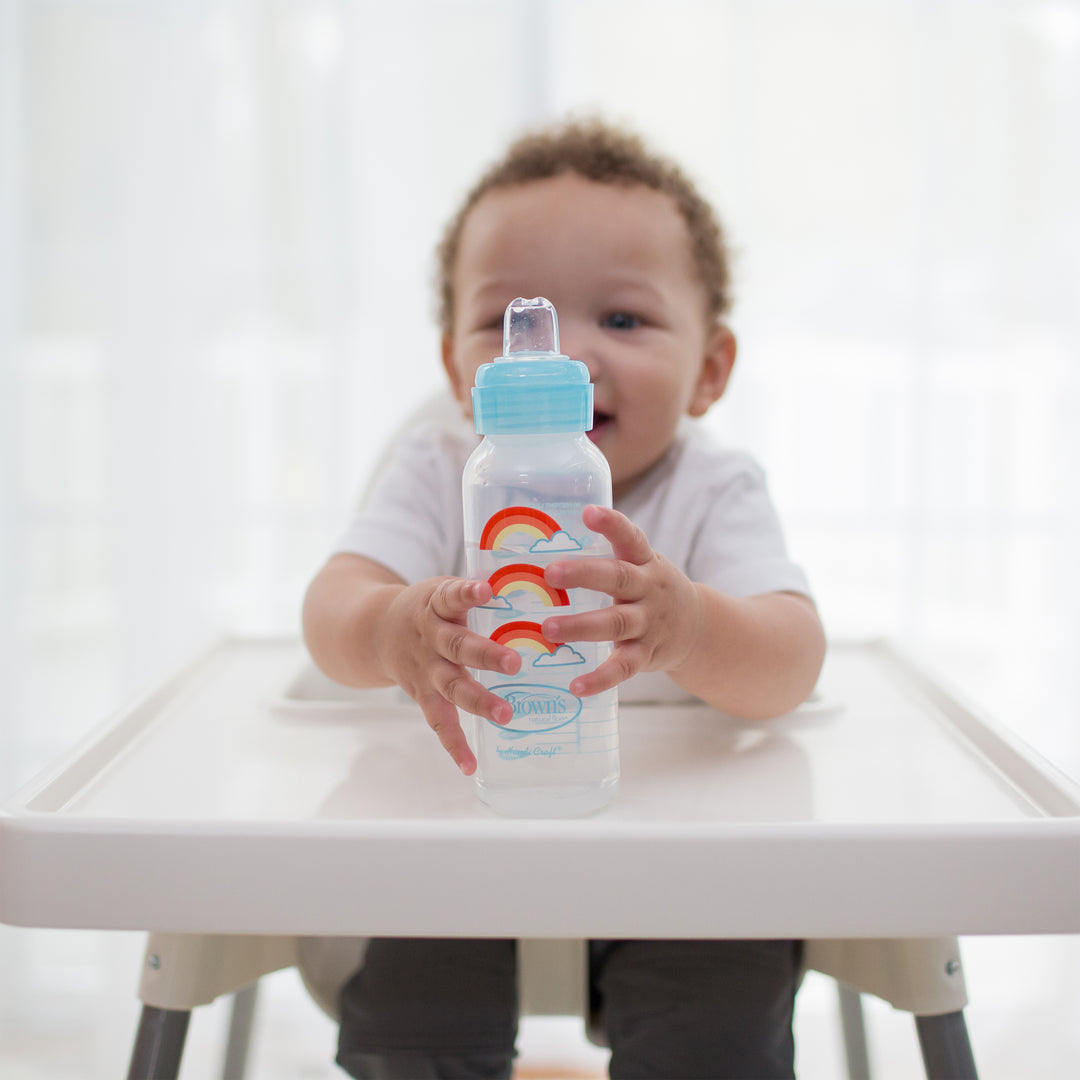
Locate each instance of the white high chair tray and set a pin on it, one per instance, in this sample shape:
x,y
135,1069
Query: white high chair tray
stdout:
x,y
248,795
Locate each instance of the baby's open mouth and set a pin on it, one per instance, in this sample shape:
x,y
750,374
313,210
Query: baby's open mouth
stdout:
x,y
600,421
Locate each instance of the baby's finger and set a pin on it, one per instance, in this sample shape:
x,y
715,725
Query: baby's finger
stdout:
x,y
458,686
619,579
617,668
622,622
627,540
443,719
464,648
454,597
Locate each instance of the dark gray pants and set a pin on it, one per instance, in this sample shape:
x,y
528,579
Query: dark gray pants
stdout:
x,y
423,1009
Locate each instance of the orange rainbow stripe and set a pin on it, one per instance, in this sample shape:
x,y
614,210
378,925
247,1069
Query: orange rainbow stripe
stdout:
x,y
522,635
523,577
517,520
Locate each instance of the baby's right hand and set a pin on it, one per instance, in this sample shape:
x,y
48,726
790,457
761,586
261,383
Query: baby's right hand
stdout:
x,y
426,647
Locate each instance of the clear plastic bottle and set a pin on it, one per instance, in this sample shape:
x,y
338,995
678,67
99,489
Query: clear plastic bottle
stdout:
x,y
524,490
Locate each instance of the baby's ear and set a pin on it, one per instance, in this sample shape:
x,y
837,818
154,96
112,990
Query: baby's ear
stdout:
x,y
461,392
716,365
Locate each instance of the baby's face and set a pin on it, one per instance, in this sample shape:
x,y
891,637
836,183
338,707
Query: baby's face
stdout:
x,y
616,263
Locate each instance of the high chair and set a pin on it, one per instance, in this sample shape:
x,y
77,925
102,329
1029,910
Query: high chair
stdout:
x,y
243,810
182,971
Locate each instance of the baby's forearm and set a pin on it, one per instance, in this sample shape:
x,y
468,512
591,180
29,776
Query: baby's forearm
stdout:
x,y
754,657
344,607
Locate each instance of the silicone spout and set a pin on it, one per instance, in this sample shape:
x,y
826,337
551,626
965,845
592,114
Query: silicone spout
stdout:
x,y
532,388
530,329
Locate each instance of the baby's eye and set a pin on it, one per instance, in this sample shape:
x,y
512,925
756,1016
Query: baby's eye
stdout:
x,y
621,320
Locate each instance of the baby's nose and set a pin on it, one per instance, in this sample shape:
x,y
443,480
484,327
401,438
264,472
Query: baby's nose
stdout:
x,y
579,343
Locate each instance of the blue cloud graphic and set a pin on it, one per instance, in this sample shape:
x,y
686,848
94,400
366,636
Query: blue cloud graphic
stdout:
x,y
563,656
560,541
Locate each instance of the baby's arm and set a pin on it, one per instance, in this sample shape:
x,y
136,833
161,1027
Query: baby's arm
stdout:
x,y
752,657
364,626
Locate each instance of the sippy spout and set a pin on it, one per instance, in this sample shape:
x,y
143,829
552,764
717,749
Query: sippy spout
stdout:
x,y
530,328
532,388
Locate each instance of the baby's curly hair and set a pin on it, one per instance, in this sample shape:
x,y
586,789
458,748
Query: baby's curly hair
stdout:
x,y
597,151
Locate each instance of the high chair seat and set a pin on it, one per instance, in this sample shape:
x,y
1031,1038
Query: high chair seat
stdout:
x,y
922,976
182,971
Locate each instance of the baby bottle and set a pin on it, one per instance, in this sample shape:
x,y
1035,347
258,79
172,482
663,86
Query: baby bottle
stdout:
x,y
524,490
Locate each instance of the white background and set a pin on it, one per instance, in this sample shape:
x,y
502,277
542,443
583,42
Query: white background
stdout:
x,y
217,223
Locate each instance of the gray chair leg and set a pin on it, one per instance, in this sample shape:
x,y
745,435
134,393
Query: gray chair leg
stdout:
x,y
236,1049
946,1048
854,1028
159,1044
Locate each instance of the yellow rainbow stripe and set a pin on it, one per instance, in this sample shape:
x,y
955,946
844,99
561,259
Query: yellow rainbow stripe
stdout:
x,y
523,577
522,635
517,520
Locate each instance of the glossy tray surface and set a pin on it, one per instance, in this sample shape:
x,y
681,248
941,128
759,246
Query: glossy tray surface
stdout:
x,y
249,793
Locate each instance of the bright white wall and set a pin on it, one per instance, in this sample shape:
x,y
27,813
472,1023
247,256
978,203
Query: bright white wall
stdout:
x,y
216,231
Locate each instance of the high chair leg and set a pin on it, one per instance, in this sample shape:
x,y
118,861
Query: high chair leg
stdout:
x,y
854,1028
240,1023
946,1049
159,1044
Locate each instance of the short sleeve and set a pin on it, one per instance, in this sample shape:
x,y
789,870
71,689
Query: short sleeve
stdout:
x,y
411,517
707,508
739,544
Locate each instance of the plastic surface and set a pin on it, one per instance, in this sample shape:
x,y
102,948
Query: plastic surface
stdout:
x,y
182,971
531,328
532,388
523,496
228,802
920,975
523,502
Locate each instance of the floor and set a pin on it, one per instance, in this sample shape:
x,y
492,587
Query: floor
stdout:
x,y
68,1010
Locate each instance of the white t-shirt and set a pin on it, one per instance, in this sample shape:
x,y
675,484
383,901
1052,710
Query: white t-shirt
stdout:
x,y
703,506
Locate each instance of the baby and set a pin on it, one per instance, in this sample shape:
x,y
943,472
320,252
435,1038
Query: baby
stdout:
x,y
706,603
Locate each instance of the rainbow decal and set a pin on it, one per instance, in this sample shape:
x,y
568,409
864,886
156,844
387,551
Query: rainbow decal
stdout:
x,y
517,523
523,635
523,577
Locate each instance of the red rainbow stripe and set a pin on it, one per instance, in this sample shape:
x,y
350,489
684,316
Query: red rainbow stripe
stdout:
x,y
526,518
524,577
517,635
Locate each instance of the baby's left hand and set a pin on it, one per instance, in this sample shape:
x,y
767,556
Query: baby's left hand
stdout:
x,y
656,615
